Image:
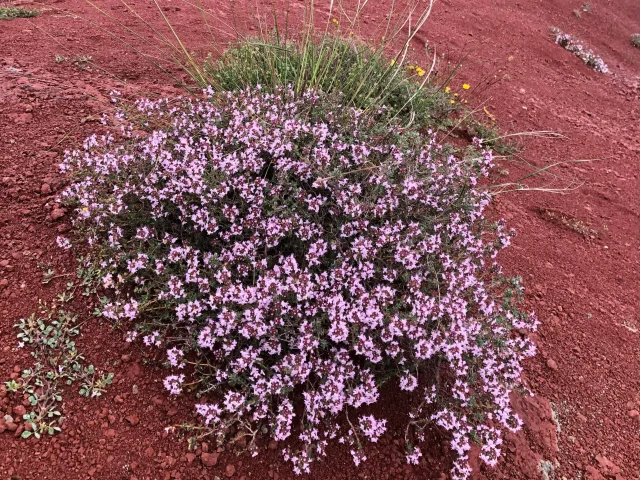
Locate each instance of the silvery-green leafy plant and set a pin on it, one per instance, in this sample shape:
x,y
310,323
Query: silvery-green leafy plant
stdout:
x,y
50,336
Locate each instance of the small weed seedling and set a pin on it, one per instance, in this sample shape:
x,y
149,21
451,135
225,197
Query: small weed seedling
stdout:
x,y
635,40
88,275
94,384
9,13
82,62
48,276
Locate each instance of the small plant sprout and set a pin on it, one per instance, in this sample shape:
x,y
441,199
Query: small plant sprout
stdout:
x,y
65,297
585,8
82,62
95,386
48,276
635,40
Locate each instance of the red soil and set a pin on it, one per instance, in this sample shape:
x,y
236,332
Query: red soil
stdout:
x,y
584,288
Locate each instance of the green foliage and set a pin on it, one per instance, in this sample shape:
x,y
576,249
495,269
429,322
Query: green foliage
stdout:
x,y
57,363
491,137
9,13
364,77
48,276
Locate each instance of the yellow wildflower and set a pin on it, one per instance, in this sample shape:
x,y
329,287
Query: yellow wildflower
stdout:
x,y
452,101
393,62
455,94
466,86
84,209
335,20
447,89
411,67
420,72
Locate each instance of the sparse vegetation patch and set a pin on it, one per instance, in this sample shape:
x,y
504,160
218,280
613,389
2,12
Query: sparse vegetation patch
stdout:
x,y
57,363
50,335
9,13
574,46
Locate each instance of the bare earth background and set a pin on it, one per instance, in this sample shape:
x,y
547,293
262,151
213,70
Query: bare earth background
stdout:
x,y
584,290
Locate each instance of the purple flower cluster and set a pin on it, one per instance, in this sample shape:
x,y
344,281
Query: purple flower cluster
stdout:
x,y
293,245
574,46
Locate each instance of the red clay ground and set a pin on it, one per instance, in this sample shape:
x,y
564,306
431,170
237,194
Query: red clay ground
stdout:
x,y
584,290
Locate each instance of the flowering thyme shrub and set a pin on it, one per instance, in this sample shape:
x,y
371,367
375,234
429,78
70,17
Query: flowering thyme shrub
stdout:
x,y
574,46
292,255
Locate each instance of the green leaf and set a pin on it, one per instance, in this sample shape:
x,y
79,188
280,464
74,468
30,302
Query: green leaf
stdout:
x,y
26,434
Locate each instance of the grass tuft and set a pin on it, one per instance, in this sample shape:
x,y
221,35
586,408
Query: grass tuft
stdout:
x,y
9,13
364,77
